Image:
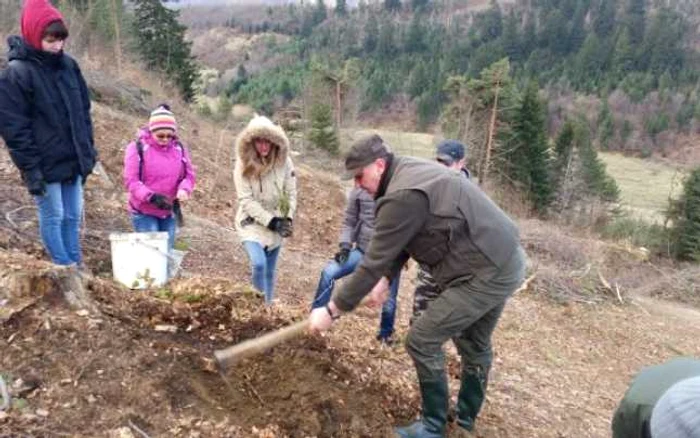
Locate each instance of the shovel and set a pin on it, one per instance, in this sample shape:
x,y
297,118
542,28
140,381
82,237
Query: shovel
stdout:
x,y
231,355
235,353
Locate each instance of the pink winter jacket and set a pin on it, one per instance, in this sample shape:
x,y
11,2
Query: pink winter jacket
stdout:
x,y
162,174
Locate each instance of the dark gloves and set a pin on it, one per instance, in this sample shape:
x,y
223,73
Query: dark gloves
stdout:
x,y
342,256
36,188
177,212
286,229
160,201
35,183
281,225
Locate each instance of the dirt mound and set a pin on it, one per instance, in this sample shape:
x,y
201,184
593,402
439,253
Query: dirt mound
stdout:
x,y
143,360
148,361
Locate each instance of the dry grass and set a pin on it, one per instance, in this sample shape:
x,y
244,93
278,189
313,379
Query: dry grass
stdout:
x,y
415,144
645,185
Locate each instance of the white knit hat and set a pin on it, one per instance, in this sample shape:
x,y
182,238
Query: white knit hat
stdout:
x,y
677,413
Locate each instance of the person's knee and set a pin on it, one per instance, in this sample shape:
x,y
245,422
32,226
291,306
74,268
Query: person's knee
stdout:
x,y
415,344
477,355
258,265
330,271
72,217
52,213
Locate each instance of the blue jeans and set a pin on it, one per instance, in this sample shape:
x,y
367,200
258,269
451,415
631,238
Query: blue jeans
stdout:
x,y
60,212
334,271
263,262
144,223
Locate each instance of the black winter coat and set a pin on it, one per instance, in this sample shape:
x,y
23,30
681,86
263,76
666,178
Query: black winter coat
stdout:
x,y
45,115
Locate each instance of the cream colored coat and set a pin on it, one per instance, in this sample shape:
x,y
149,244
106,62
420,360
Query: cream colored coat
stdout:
x,y
262,185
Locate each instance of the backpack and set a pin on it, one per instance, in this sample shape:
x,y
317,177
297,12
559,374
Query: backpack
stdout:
x,y
177,211
139,149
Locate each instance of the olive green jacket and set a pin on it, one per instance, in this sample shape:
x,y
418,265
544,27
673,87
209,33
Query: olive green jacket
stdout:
x,y
631,419
439,218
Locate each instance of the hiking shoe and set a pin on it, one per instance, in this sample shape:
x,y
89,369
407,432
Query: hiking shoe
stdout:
x,y
417,430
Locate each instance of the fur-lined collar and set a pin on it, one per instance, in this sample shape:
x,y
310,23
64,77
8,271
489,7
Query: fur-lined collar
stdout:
x,y
253,165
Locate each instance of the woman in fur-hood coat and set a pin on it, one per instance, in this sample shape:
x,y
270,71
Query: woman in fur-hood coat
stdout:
x,y
267,197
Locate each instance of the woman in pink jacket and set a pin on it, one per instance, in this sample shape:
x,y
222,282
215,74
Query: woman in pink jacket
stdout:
x,y
158,174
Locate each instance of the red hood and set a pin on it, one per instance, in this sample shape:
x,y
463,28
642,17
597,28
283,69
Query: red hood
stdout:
x,y
36,15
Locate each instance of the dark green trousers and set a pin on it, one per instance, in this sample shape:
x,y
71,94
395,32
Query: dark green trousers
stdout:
x,y
467,313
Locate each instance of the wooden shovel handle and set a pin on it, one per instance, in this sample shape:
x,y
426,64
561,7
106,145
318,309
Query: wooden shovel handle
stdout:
x,y
230,355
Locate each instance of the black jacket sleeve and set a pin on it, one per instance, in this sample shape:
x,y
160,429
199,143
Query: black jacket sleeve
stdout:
x,y
15,119
85,97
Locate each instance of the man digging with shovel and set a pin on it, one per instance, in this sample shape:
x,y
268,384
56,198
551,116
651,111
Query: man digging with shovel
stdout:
x,y
431,213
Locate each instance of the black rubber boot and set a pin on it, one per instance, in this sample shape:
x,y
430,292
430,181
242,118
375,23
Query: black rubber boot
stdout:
x,y
471,395
433,422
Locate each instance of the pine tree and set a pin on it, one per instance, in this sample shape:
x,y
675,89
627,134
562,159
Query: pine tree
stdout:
x,y
527,152
636,21
580,176
685,214
563,148
511,39
597,181
415,36
606,125
320,13
604,18
491,22
623,55
554,34
420,5
322,133
341,8
386,46
371,34
161,43
418,80
392,5
577,35
590,63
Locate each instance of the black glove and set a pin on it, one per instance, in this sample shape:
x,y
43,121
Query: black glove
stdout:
x,y
160,201
281,225
177,211
286,229
35,183
275,224
37,188
342,256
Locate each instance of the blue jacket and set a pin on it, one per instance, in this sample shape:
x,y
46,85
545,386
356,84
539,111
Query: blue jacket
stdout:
x,y
45,115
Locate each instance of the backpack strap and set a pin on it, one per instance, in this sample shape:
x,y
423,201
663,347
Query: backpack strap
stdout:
x,y
139,149
183,159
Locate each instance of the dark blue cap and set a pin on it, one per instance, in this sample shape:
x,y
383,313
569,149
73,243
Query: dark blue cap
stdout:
x,y
449,151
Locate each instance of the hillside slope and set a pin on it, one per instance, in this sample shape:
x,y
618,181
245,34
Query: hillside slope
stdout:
x,y
565,350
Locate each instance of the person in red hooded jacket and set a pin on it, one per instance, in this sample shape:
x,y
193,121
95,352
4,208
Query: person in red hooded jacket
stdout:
x,y
45,122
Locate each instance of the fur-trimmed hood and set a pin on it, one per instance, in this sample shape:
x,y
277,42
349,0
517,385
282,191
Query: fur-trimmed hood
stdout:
x,y
261,127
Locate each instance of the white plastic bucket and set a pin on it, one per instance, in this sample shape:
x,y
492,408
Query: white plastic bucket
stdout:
x,y
140,260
